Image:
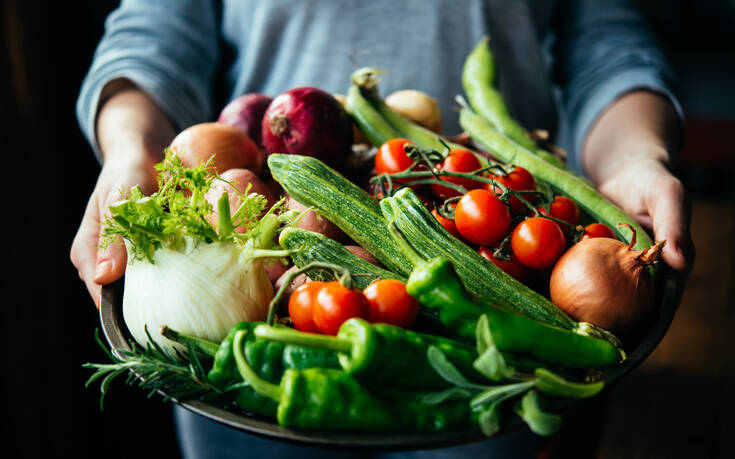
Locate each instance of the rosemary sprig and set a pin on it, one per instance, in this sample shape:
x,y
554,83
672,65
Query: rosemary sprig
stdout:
x,y
174,375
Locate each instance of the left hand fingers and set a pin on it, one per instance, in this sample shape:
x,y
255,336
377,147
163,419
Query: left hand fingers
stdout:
x,y
670,212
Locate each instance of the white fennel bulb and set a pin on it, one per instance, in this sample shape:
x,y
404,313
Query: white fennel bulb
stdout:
x,y
202,291
190,269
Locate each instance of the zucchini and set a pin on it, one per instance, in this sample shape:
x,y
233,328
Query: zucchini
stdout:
x,y
482,279
307,246
313,183
567,183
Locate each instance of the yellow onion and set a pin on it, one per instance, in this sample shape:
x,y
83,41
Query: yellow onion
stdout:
x,y
232,147
605,282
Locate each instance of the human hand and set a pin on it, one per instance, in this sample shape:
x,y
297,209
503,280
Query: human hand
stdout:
x,y
132,133
627,155
98,266
656,199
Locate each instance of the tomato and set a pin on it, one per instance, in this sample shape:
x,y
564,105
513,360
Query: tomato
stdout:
x,y
300,306
564,209
335,303
537,242
512,267
597,230
390,303
447,223
482,218
458,160
519,179
391,157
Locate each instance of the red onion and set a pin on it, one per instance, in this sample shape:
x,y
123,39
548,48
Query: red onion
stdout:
x,y
308,121
605,282
246,112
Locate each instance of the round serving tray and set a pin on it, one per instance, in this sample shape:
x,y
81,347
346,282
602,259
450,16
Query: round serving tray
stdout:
x,y
118,337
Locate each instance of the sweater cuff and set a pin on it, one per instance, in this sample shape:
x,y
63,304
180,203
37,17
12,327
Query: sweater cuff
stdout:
x,y
607,94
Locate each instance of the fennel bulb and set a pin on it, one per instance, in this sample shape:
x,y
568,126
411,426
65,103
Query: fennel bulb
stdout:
x,y
187,270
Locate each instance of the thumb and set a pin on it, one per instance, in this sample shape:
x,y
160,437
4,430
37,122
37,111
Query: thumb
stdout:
x,y
110,263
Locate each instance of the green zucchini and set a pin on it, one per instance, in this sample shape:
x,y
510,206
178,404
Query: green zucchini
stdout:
x,y
307,246
313,183
482,278
569,184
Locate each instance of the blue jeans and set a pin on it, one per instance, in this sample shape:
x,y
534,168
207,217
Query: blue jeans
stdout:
x,y
201,438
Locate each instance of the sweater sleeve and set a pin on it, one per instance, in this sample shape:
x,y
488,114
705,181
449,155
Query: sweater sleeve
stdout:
x,y
604,49
167,48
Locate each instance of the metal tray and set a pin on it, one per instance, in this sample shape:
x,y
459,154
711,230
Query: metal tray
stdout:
x,y
118,336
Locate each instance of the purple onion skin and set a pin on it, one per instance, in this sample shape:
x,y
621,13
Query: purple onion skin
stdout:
x,y
246,112
308,121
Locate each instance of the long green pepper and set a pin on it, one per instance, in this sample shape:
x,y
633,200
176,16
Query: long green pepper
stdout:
x,y
329,399
383,355
435,285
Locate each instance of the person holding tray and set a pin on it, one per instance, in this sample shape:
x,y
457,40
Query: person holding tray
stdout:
x,y
589,72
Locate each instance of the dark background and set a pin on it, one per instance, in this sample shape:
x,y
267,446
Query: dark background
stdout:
x,y
48,172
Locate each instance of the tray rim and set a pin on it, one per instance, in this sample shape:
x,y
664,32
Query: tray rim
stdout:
x,y
117,336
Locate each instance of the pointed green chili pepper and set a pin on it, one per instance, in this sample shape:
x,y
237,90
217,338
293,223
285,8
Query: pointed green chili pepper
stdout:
x,y
329,399
435,285
270,359
382,354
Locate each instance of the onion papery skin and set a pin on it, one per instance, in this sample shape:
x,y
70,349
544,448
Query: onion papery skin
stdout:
x,y
308,121
603,282
202,290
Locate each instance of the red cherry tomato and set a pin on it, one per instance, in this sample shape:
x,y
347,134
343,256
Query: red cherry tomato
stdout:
x,y
564,209
482,218
458,160
519,179
597,230
390,303
391,157
447,223
334,304
300,306
537,242
512,267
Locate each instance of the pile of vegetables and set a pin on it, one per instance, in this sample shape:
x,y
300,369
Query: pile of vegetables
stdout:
x,y
468,282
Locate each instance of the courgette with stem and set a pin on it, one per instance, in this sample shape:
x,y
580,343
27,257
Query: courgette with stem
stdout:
x,y
313,183
307,246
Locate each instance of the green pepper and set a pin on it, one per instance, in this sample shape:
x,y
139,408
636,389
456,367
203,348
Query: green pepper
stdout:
x,y
270,358
382,354
435,285
329,399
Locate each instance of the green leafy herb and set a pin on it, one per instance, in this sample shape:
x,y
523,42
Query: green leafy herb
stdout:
x,y
553,384
541,422
159,370
491,362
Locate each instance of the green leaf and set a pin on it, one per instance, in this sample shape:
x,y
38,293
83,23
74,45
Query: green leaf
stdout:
x,y
496,393
552,384
541,422
489,419
453,393
447,370
491,362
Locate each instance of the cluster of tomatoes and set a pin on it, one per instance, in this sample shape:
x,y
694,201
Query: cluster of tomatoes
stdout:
x,y
485,221
322,307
